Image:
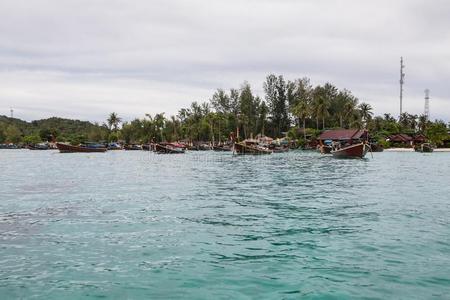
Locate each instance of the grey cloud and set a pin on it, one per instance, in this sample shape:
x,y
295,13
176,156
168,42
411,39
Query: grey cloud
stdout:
x,y
193,47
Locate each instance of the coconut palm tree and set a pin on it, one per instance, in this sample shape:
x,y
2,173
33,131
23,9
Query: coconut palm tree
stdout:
x,y
423,122
302,111
113,121
349,110
321,109
366,112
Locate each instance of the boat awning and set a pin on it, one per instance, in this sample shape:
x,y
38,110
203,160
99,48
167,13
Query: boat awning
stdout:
x,y
343,134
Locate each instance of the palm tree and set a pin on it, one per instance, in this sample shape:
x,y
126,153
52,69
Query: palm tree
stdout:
x,y
159,120
302,111
404,120
413,122
349,110
366,112
321,109
113,121
423,122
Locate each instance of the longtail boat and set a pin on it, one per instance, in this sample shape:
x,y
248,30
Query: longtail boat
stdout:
x,y
66,148
425,147
352,151
325,149
168,149
279,149
38,147
247,147
132,147
114,146
222,148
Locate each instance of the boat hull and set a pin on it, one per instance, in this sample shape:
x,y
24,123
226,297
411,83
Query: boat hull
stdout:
x,y
242,149
65,148
352,151
132,147
38,147
222,148
325,149
162,149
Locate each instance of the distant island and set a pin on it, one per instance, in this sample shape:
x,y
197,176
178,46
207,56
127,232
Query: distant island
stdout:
x,y
294,109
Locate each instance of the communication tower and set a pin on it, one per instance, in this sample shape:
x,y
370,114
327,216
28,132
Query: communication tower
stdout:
x,y
427,104
402,80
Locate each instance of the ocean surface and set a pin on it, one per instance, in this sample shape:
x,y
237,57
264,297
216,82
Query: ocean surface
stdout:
x,y
206,225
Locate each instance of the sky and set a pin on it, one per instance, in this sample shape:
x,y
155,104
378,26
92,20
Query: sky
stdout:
x,y
86,58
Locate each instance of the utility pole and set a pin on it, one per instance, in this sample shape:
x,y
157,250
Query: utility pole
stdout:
x,y
402,80
427,104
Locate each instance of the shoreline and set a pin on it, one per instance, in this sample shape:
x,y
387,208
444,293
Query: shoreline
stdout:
x,y
412,150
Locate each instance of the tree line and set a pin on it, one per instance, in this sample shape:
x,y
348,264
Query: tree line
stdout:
x,y
295,108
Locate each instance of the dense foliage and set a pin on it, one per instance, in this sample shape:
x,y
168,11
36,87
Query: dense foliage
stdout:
x,y
15,130
295,108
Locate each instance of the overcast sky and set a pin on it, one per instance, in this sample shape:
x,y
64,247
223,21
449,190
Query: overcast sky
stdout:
x,y
85,59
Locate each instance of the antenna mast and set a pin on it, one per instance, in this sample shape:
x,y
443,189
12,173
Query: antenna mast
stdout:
x,y
402,80
427,104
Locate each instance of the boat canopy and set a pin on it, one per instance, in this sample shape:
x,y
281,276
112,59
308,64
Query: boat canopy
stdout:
x,y
343,134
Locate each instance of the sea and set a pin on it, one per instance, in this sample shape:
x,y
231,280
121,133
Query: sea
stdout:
x,y
210,225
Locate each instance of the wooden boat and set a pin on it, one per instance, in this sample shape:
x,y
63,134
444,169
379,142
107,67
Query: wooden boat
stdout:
x,y
114,146
66,148
132,147
199,147
243,148
38,147
222,148
8,146
424,148
325,149
279,149
353,151
167,149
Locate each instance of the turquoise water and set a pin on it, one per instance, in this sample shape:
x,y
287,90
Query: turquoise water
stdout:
x,y
204,225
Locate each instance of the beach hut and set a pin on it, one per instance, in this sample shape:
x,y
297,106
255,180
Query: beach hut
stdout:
x,y
400,140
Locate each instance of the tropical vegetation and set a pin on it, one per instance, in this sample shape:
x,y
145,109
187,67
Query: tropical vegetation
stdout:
x,y
295,108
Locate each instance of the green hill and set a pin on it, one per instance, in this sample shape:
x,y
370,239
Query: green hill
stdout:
x,y
16,130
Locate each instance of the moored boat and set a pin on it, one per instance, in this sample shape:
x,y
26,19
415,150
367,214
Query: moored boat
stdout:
x,y
41,146
132,147
352,151
167,149
114,146
325,146
67,148
222,148
249,147
425,147
325,149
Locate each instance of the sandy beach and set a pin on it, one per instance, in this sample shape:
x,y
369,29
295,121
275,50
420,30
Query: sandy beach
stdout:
x,y
412,150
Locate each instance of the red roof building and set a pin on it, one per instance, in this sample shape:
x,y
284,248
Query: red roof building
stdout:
x,y
420,138
400,138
